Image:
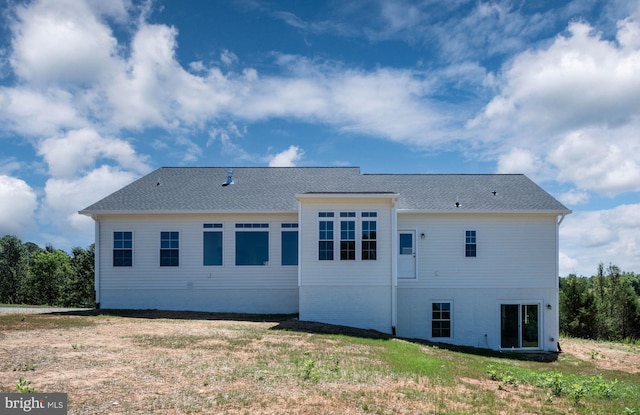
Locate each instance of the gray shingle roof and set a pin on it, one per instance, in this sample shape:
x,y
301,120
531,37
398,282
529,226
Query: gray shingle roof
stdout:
x,y
272,189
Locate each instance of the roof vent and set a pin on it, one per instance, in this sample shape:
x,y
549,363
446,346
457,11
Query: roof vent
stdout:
x,y
229,178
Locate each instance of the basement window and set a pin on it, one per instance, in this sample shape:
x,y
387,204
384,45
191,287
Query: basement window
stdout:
x,y
440,319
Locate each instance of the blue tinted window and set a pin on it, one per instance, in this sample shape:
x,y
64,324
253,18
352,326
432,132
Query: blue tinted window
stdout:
x,y
122,258
169,249
252,248
212,248
441,320
406,244
347,238
289,248
122,249
325,244
369,243
470,244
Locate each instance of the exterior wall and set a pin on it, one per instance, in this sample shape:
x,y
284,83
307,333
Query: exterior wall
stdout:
x,y
516,262
354,293
192,286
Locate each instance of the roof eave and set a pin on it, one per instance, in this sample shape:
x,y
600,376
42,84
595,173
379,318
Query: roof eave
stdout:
x,y
458,211
182,212
347,195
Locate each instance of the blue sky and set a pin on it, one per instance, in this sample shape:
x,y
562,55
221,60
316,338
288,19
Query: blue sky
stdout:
x,y
95,94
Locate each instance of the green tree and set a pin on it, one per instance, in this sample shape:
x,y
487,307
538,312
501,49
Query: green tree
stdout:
x,y
578,308
78,287
618,304
48,271
13,268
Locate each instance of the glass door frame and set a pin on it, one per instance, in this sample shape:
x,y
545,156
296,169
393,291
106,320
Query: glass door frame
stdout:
x,y
522,306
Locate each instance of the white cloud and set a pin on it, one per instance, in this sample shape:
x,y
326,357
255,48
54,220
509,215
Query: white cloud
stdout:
x,y
607,236
34,113
226,135
61,41
287,158
151,88
523,161
573,107
78,150
574,197
608,166
19,202
64,197
386,103
228,58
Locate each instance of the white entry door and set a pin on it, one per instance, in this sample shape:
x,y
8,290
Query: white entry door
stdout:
x,y
406,254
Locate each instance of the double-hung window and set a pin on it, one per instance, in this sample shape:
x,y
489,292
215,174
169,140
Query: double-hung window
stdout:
x,y
252,244
212,244
289,244
347,236
441,319
369,242
470,244
169,249
122,249
325,236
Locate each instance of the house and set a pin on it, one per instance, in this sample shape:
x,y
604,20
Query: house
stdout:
x,y
462,259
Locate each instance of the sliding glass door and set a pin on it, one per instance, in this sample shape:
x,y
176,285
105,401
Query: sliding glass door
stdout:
x,y
519,328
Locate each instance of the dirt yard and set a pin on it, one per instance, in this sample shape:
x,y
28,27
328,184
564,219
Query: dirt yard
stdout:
x,y
192,363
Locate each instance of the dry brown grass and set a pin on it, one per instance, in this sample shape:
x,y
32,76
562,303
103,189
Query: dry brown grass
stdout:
x,y
159,365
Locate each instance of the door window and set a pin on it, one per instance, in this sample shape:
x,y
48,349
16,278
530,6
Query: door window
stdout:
x,y
519,326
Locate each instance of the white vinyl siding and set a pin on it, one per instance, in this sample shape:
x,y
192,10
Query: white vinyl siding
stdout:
x,y
505,259
336,272
349,292
150,286
507,266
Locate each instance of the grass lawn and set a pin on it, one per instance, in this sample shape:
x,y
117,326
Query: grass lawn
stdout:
x,y
198,363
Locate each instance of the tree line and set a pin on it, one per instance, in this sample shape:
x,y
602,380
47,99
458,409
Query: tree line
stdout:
x,y
605,306
49,276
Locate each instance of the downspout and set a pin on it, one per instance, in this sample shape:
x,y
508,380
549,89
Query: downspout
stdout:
x,y
394,266
299,250
556,300
96,260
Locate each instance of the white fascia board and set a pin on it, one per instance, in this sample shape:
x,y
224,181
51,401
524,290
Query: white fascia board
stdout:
x,y
184,212
484,212
312,196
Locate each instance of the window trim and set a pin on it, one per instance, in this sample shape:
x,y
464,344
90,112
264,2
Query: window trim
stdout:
x,y
113,251
325,243
170,249
369,218
262,227
470,243
347,243
289,228
434,320
213,228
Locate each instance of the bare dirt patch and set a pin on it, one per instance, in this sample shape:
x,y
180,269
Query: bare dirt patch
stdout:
x,y
605,355
190,363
